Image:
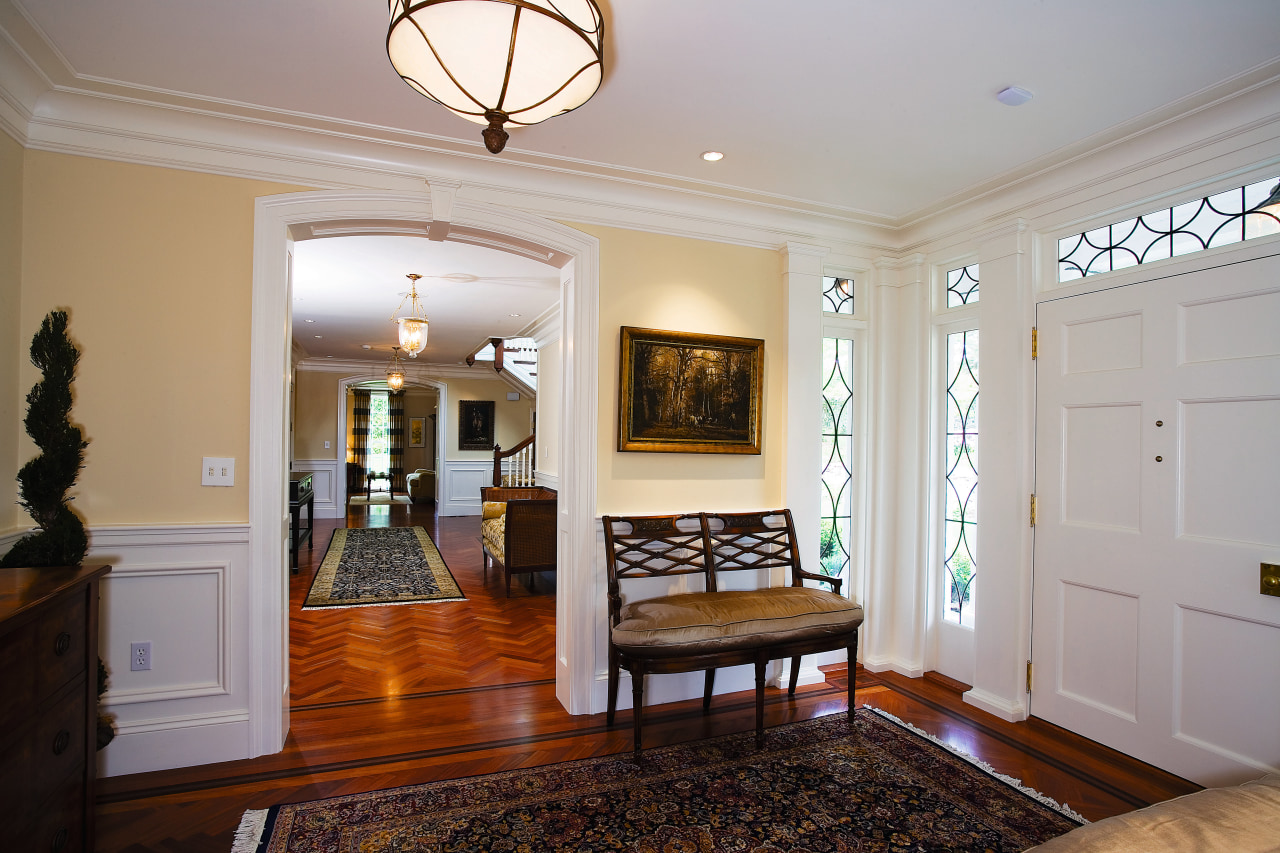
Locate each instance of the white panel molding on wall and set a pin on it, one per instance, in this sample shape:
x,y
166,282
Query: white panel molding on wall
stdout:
x,y
176,587
460,486
329,503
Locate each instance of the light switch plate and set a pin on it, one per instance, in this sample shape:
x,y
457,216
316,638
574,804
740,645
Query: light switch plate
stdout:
x,y
218,471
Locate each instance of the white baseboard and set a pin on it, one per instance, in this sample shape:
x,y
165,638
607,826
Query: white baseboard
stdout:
x,y
884,664
167,743
1013,712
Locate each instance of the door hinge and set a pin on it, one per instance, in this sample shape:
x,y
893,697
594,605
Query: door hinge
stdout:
x,y
1035,342
1033,510
1028,676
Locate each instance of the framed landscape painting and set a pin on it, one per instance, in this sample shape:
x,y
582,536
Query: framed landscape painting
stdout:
x,y
417,432
682,392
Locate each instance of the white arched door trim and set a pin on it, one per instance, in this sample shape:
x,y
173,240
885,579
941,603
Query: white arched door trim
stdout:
x,y
441,389
275,217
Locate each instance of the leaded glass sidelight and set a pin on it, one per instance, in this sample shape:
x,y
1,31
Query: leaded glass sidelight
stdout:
x,y
961,514
837,456
1217,220
837,295
962,286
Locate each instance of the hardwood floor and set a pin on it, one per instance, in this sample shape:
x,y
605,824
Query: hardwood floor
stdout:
x,y
387,696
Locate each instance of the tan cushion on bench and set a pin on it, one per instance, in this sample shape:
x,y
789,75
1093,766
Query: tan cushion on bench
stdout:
x,y
493,531
1240,819
695,623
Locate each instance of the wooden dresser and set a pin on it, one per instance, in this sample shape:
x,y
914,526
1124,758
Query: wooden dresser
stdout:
x,y
48,708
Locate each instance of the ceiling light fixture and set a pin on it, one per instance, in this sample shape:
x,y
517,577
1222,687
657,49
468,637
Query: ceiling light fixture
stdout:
x,y
712,156
1271,206
496,62
395,371
413,328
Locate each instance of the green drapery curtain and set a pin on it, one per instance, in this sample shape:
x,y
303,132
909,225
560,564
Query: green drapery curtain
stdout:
x,y
396,432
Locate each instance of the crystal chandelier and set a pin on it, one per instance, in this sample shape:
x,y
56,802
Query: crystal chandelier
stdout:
x,y
413,327
395,371
495,62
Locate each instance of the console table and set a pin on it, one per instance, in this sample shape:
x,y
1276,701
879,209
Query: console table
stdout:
x,y
301,494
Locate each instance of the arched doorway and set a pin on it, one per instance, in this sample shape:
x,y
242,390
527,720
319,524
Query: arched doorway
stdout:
x,y
278,219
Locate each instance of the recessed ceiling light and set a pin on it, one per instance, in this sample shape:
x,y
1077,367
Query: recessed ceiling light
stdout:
x,y
712,156
365,346
308,321
513,315
318,337
328,356
1014,96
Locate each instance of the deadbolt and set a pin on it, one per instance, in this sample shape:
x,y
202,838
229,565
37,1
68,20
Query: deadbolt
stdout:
x,y
1159,423
1270,579
1159,458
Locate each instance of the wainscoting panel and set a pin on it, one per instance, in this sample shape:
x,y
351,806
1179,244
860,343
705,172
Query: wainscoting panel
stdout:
x,y
460,487
330,502
182,589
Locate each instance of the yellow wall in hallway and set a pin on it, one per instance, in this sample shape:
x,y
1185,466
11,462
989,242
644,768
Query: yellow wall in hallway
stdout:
x,y
679,284
13,350
155,266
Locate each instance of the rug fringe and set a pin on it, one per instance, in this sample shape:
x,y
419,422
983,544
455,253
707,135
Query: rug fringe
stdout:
x,y
1061,808
248,837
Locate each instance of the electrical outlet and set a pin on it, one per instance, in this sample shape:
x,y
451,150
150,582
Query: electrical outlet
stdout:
x,y
139,656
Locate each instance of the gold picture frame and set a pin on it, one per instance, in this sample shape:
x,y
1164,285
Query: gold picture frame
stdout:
x,y
683,392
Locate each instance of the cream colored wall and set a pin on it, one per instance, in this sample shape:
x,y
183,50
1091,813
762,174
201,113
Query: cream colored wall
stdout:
x,y
13,351
679,284
316,416
419,403
550,397
155,267
511,419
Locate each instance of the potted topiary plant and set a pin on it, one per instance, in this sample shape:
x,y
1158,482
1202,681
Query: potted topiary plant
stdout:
x,y
44,481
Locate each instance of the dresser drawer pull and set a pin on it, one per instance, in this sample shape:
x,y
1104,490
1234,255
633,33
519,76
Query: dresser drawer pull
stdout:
x,y
59,840
61,741
62,644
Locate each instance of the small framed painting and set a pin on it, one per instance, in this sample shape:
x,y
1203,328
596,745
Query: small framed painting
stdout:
x,y
682,392
475,425
417,432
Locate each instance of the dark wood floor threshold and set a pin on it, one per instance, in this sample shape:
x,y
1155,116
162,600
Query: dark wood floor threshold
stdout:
x,y
622,723
425,694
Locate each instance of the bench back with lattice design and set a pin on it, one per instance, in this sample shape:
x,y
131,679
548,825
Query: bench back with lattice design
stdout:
x,y
707,544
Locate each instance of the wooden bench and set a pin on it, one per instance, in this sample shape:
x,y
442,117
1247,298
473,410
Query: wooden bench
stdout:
x,y
518,529
715,626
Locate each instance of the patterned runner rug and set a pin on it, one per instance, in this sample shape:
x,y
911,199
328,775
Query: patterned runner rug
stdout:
x,y
819,785
381,565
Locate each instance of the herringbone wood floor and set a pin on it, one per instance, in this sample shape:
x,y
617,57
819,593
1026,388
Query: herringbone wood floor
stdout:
x,y
387,696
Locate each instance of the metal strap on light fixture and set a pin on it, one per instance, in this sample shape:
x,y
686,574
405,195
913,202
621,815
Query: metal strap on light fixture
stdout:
x,y
395,371
496,62
413,328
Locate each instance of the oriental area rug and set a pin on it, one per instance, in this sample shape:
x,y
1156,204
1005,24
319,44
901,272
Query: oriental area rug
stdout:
x,y
820,786
381,565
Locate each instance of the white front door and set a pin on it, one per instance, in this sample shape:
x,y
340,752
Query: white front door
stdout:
x,y
1158,492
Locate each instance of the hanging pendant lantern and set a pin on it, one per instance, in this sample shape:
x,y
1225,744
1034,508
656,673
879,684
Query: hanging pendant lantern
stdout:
x,y
413,328
496,62
395,371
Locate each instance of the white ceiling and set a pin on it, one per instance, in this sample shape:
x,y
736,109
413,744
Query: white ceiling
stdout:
x,y
881,111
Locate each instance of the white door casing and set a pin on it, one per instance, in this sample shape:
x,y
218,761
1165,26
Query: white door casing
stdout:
x,y
1158,408
267,578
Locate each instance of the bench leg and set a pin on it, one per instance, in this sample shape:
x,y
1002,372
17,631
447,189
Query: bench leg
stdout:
x,y
613,685
708,682
760,667
853,664
637,705
795,675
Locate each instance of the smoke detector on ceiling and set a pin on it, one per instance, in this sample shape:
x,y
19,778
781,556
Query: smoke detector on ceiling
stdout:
x,y
1014,96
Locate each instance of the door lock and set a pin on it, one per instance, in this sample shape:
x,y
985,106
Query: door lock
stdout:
x,y
1270,579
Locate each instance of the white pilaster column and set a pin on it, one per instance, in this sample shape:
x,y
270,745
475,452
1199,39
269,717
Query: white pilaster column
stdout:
x,y
893,636
1005,474
802,467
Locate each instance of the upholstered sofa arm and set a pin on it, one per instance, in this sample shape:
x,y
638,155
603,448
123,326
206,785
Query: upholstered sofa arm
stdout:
x,y
1240,819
